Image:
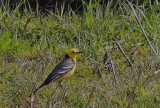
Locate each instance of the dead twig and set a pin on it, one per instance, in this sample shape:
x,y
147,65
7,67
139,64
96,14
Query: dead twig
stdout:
x,y
90,96
32,96
114,72
157,2
145,35
119,46
32,100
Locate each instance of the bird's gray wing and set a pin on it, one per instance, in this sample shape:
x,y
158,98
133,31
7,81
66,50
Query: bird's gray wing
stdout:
x,y
61,69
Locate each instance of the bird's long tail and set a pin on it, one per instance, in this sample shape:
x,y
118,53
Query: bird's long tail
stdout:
x,y
38,89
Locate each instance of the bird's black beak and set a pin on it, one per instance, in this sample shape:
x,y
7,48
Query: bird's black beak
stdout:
x,y
79,52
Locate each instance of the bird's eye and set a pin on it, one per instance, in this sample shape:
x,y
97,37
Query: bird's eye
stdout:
x,y
73,52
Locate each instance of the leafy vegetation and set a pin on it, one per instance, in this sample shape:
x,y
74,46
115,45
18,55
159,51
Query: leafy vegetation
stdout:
x,y
32,44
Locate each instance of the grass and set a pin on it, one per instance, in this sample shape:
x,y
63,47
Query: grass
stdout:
x,y
32,44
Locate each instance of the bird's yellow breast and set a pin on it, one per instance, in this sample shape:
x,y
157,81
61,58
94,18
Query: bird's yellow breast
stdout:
x,y
68,74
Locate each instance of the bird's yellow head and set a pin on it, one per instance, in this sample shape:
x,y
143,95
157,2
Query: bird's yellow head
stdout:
x,y
73,53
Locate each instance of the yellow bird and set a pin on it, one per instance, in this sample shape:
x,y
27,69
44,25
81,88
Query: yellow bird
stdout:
x,y
63,70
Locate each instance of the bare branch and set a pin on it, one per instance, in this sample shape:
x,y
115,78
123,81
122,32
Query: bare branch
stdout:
x,y
135,14
157,2
90,96
114,72
119,46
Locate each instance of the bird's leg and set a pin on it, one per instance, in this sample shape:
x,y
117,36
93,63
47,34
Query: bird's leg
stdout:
x,y
53,94
55,90
64,94
63,91
60,84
